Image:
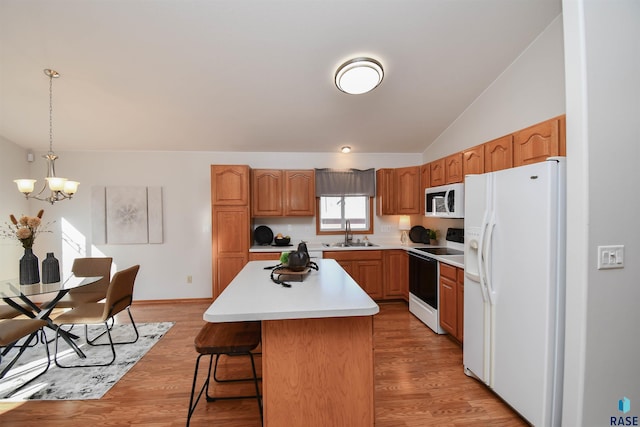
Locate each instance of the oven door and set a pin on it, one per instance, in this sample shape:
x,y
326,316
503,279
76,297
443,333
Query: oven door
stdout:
x,y
423,279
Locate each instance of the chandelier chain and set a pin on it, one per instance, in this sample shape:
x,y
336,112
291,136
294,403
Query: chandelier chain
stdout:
x,y
51,113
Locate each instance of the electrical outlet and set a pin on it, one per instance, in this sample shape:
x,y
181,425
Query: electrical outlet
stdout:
x,y
610,257
189,279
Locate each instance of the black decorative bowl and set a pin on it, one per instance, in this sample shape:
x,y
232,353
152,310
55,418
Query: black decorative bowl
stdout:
x,y
282,241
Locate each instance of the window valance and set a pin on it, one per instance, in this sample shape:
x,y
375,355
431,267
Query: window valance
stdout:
x,y
349,182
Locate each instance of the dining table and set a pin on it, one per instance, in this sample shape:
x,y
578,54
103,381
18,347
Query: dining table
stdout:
x,y
317,342
21,298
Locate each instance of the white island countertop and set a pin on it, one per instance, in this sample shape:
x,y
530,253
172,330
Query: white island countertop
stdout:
x,y
328,292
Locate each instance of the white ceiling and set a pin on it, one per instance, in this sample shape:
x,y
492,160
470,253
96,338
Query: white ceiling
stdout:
x,y
250,75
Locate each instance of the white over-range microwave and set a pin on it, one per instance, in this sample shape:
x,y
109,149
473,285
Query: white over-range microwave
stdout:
x,y
445,201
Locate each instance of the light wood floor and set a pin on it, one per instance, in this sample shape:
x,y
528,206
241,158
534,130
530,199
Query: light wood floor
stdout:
x,y
418,378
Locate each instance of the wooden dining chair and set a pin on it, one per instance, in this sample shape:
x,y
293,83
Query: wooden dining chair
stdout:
x,y
95,292
119,297
12,331
8,312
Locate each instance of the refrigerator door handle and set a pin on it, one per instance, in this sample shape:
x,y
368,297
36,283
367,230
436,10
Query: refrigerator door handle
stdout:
x,y
487,261
481,258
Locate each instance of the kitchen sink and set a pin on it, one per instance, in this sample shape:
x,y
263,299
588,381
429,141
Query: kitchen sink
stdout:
x,y
350,245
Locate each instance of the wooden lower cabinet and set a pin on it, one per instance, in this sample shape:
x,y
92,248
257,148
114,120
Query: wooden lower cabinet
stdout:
x,y
365,267
396,274
451,306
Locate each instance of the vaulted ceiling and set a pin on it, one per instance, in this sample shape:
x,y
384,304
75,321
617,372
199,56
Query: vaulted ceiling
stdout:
x,y
250,75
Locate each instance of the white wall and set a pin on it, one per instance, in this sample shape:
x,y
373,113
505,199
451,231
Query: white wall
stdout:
x,y
184,178
529,91
13,165
603,148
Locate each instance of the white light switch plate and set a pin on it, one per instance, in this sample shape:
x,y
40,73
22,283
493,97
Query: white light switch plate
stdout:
x,y
610,257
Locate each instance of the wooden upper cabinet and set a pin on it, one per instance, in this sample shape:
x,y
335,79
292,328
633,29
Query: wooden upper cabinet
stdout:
x,y
398,191
385,191
408,190
498,154
437,173
473,160
266,192
425,182
299,193
276,192
536,143
453,168
229,185
562,123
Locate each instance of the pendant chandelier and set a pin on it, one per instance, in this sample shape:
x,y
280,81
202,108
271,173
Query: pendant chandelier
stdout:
x,y
60,188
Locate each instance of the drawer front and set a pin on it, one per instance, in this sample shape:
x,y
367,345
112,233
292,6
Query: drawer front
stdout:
x,y
448,271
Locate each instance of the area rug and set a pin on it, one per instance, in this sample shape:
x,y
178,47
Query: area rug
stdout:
x,y
78,383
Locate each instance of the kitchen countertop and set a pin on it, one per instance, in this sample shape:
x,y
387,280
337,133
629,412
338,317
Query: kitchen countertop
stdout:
x,y
328,292
455,260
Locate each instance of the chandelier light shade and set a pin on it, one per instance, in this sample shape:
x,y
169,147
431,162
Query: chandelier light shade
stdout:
x,y
359,75
59,188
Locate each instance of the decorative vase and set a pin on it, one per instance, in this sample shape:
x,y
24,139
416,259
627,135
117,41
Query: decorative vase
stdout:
x,y
29,268
50,269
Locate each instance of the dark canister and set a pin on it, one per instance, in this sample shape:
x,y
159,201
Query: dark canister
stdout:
x,y
29,271
50,269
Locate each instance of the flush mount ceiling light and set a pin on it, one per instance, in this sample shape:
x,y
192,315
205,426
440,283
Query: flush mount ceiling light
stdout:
x,y
61,188
359,75
346,149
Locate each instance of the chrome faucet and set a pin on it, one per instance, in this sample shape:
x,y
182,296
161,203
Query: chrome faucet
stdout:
x,y
348,236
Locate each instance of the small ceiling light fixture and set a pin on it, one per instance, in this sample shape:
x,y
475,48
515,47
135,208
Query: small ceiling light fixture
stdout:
x,y
346,149
61,188
359,75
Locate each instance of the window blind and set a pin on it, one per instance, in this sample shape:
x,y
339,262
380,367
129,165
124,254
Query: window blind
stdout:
x,y
349,182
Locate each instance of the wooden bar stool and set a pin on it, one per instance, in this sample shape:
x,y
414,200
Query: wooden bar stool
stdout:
x,y
232,339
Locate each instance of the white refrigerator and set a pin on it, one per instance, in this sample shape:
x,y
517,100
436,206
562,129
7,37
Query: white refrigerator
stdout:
x,y
514,286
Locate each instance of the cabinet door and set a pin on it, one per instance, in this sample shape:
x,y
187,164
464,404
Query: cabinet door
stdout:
x,y
453,168
448,299
299,193
229,185
230,241
498,154
369,277
536,143
266,192
437,173
408,190
385,191
473,160
448,306
396,274
460,301
425,182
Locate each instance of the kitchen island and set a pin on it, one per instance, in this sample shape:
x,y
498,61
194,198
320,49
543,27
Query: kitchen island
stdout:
x,y
317,343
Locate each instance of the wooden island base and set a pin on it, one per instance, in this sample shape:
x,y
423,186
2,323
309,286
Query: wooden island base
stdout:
x,y
318,372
